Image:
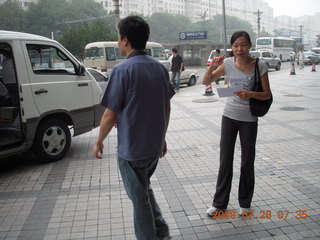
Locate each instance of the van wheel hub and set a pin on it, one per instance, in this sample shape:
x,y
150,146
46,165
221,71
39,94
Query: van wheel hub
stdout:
x,y
54,140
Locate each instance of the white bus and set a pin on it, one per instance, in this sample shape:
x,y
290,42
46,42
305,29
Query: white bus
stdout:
x,y
103,56
281,47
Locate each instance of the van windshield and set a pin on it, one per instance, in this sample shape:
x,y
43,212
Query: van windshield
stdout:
x,y
93,53
159,52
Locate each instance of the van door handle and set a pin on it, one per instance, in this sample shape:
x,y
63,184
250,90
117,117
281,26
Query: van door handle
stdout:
x,y
82,84
41,91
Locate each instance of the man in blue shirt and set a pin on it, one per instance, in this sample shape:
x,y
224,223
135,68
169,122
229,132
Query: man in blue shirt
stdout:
x,y
137,100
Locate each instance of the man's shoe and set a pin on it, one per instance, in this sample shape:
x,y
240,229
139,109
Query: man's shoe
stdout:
x,y
244,211
213,211
165,238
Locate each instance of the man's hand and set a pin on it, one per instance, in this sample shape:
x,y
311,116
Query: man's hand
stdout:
x,y
98,150
164,150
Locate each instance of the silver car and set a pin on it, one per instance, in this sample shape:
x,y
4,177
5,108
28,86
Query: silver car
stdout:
x,y
188,76
100,78
269,58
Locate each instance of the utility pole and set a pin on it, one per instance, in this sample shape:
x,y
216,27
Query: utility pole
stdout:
x,y
301,26
259,18
116,12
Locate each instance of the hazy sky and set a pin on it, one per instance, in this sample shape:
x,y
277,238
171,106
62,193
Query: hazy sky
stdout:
x,y
294,8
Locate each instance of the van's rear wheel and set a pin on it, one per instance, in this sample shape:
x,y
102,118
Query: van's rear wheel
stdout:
x,y
52,141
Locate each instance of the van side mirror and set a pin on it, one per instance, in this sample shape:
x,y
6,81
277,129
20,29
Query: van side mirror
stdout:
x,y
80,70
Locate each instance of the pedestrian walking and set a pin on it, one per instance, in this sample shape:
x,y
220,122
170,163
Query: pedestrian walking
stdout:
x,y
176,68
137,100
237,118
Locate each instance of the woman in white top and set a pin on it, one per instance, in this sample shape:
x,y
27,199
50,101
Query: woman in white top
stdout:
x,y
237,118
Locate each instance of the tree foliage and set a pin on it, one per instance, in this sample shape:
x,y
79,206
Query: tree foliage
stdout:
x,y
77,22
46,16
76,38
12,17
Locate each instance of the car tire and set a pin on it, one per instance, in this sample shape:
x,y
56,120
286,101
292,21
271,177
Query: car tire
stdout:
x,y
52,141
192,81
278,67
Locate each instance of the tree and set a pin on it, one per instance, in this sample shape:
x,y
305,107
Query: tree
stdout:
x,y
76,38
166,27
12,16
46,16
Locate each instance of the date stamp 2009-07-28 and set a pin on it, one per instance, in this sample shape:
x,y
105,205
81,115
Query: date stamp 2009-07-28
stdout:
x,y
263,214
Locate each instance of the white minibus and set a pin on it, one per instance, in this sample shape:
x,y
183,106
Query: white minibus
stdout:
x,y
103,56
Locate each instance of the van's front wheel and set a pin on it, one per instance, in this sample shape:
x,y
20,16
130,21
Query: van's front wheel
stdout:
x,y
52,141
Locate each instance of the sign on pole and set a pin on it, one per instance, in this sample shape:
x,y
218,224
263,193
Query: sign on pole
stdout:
x,y
193,35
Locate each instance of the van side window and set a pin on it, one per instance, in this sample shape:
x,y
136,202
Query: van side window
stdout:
x,y
49,60
111,56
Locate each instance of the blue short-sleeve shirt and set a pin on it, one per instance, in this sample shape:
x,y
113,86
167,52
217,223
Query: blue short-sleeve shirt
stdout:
x,y
139,91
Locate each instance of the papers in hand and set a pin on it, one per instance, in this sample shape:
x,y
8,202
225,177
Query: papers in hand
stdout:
x,y
227,91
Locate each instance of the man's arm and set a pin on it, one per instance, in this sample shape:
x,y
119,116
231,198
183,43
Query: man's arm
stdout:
x,y
165,149
108,119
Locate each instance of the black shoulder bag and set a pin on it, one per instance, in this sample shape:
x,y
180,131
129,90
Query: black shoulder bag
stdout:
x,y
259,108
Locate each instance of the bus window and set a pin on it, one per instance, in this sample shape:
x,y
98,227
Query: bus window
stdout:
x,y
111,56
264,41
118,56
93,53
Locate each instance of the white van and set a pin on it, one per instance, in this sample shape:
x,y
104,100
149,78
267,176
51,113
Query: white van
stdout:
x,y
44,91
103,56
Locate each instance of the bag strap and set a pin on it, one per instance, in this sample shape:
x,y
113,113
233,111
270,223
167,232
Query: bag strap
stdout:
x,y
256,74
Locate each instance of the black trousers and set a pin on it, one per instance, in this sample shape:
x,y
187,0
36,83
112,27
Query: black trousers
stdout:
x,y
248,135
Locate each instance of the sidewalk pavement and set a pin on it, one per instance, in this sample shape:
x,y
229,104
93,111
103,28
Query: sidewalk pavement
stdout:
x,y
81,197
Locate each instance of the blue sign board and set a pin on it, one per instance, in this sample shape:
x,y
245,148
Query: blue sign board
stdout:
x,y
193,35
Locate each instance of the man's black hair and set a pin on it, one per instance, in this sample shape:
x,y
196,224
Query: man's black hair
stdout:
x,y
136,30
174,50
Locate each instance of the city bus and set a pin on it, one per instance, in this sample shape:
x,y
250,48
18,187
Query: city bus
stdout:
x,y
103,56
281,47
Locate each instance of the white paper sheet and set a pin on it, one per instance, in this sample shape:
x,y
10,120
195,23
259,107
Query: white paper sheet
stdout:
x,y
227,91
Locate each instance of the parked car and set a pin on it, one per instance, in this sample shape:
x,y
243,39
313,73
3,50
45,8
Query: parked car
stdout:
x,y
188,76
100,78
310,58
215,54
269,58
